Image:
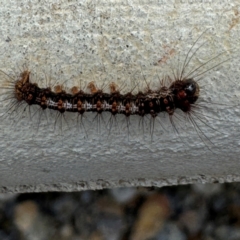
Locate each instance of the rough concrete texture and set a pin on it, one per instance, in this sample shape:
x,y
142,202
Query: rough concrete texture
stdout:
x,y
75,42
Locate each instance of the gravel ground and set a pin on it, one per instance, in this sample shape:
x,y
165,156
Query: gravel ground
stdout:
x,y
191,212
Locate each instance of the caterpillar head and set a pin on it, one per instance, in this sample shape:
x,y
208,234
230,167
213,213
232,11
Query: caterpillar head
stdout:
x,y
185,93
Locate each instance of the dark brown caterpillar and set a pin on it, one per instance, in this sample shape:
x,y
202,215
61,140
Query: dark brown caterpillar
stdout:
x,y
181,94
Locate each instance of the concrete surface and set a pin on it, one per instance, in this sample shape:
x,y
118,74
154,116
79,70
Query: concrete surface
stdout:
x,y
75,42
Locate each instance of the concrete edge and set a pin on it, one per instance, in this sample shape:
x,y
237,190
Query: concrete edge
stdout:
x,y
103,184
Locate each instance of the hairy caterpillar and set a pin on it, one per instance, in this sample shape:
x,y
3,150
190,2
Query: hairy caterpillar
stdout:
x,y
177,91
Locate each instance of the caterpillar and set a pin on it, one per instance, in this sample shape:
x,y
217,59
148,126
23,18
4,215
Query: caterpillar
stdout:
x,y
179,91
181,94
